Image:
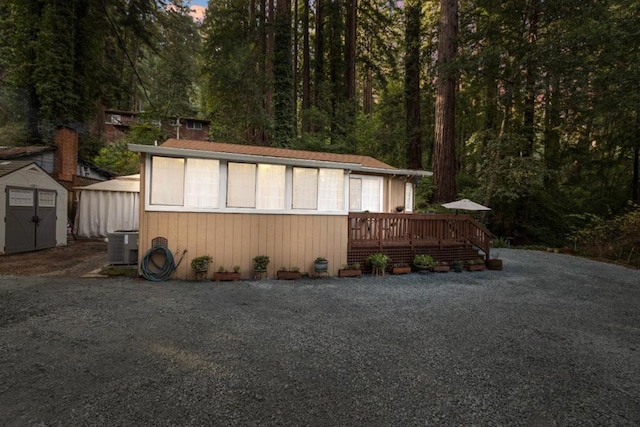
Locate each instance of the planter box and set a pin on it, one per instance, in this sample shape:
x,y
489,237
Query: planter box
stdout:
x,y
494,264
401,270
441,269
226,276
289,275
476,267
349,272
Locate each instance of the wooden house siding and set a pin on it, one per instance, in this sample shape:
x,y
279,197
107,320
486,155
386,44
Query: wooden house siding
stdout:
x,y
234,239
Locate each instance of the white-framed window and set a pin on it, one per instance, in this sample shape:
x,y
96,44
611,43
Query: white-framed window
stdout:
x,y
194,125
330,190
365,193
305,188
167,181
408,197
202,183
241,185
271,186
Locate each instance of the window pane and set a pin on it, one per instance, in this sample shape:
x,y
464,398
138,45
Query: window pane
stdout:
x,y
355,194
305,188
271,187
408,197
167,181
330,189
241,185
202,183
371,199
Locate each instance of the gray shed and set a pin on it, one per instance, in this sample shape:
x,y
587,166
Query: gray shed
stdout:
x,y
34,208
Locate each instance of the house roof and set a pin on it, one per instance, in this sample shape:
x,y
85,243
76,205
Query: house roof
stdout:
x,y
240,152
16,152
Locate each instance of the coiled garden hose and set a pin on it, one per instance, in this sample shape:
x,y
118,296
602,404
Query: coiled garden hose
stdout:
x,y
158,273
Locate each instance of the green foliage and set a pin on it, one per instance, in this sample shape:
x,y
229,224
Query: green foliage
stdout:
x,y
616,239
201,262
500,242
261,262
378,261
424,261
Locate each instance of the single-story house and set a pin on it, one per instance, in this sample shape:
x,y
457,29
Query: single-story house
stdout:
x,y
33,206
107,206
234,202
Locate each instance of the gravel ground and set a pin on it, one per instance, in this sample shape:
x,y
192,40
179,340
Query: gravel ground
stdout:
x,y
551,340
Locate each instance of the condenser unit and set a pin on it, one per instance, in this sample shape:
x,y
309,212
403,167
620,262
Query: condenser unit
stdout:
x,y
122,247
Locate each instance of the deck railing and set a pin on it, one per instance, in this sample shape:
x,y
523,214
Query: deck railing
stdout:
x,y
390,229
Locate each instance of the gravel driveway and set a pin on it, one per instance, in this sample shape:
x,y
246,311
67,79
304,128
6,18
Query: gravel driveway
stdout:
x,y
551,340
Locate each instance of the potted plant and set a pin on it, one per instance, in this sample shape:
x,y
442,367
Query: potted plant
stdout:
x,y
260,264
424,262
441,267
399,209
292,273
458,266
200,266
222,275
350,270
378,263
495,263
320,265
400,268
475,265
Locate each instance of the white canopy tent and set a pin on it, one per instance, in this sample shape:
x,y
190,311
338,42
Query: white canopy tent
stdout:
x,y
108,206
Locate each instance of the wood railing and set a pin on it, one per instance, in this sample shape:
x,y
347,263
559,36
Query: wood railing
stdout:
x,y
390,229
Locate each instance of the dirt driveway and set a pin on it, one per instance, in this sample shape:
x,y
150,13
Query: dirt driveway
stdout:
x,y
551,340
74,260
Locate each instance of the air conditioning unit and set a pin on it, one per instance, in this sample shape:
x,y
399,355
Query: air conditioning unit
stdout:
x,y
122,247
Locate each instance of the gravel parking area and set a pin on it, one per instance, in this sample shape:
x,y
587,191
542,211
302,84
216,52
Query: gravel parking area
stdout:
x,y
551,340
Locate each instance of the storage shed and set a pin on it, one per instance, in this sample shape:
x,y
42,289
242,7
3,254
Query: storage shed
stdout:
x,y
34,208
108,206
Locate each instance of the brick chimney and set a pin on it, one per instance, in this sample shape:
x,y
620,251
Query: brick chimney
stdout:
x,y
66,156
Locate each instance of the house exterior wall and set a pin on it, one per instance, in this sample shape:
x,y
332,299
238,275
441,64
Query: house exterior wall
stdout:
x,y
235,239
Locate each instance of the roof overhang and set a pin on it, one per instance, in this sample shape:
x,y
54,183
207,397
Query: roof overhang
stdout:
x,y
219,155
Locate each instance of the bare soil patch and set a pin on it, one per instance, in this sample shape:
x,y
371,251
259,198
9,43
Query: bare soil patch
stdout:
x,y
77,258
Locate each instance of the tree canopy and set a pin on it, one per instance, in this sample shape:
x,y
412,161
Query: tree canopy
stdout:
x,y
544,111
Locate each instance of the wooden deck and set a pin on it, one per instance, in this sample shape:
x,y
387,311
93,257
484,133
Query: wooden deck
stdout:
x,y
401,236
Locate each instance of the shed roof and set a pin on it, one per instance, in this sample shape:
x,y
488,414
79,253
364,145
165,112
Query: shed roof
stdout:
x,y
10,166
282,155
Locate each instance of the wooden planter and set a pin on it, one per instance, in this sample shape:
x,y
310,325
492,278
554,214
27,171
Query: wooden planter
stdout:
x,y
349,272
227,276
401,270
441,269
289,275
476,267
494,264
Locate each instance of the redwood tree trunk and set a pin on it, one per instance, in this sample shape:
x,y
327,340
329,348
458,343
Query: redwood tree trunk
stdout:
x,y
413,10
444,142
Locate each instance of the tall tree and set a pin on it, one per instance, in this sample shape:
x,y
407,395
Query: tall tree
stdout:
x,y
283,131
412,66
444,170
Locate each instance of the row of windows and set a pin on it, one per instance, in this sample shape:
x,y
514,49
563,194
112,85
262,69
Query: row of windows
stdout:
x,y
207,183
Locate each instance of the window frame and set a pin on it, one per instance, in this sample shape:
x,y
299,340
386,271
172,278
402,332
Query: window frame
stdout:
x,y
223,176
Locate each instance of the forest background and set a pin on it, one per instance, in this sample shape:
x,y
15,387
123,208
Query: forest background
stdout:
x,y
531,107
